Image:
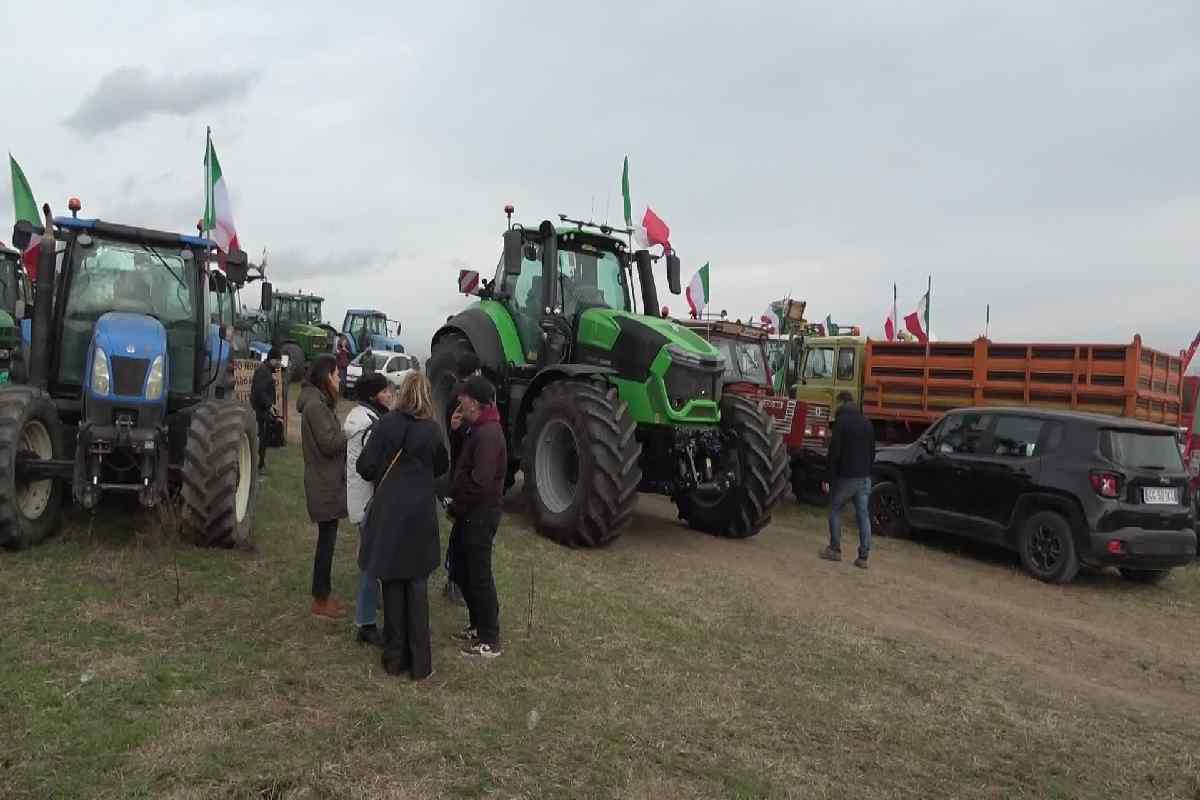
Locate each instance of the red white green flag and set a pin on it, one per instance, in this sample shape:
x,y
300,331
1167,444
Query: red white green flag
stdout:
x,y
652,231
697,292
25,208
218,213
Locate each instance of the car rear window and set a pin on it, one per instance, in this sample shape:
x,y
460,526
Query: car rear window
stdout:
x,y
1141,449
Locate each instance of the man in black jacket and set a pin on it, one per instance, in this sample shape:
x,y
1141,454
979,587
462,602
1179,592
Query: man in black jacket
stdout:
x,y
456,432
262,400
851,455
476,492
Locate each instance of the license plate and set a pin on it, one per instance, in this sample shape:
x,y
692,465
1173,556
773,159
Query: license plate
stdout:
x,y
1159,496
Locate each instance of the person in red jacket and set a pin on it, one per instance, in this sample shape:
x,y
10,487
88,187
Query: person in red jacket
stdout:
x,y
343,359
476,491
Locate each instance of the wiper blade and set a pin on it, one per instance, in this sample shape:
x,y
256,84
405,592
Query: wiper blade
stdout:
x,y
1159,467
162,261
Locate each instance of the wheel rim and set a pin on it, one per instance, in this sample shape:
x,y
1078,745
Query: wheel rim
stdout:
x,y
557,469
885,511
244,479
33,497
1045,548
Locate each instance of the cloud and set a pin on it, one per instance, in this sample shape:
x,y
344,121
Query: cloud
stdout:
x,y
130,94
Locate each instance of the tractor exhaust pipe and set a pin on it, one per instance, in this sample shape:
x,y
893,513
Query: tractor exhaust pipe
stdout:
x,y
43,305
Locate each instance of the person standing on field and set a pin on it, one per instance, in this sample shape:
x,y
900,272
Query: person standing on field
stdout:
x,y
375,399
456,431
343,358
324,446
262,400
476,492
851,456
401,548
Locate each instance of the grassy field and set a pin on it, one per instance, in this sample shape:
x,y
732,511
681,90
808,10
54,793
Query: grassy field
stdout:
x,y
669,665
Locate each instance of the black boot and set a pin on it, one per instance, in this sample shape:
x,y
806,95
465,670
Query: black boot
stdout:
x,y
369,634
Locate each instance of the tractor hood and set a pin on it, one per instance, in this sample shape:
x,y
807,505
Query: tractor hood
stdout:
x,y
131,343
603,327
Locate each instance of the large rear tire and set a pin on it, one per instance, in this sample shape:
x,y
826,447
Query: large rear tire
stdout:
x,y
760,464
220,474
296,363
29,510
580,460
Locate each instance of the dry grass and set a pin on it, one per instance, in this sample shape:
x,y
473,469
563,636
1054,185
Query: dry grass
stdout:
x,y
670,665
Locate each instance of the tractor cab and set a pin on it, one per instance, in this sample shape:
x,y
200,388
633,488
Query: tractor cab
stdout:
x,y
367,329
744,347
298,330
129,381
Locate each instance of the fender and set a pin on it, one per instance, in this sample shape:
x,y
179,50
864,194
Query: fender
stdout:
x,y
544,378
477,327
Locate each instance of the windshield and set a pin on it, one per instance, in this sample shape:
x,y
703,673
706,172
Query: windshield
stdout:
x,y
591,278
123,276
377,360
377,326
776,353
743,361
314,311
1142,450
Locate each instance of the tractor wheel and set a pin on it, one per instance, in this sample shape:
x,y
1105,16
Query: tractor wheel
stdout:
x,y
296,363
760,463
580,462
220,474
29,510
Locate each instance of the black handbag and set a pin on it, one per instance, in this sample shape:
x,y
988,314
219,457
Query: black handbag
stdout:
x,y
274,433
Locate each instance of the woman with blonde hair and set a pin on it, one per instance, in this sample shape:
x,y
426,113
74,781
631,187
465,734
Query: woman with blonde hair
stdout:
x,y
400,542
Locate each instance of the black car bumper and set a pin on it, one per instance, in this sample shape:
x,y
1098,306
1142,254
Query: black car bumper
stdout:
x,y
1141,548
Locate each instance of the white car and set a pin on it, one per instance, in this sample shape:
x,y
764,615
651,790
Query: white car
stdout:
x,y
393,365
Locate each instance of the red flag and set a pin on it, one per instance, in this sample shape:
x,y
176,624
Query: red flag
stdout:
x,y
889,325
653,231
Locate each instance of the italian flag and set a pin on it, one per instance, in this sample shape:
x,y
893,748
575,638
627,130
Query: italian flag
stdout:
x,y
25,208
652,231
218,213
697,292
918,321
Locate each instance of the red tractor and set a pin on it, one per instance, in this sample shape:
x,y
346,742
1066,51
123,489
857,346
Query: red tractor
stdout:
x,y
803,426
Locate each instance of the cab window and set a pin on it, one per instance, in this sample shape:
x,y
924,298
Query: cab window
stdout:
x,y
819,363
845,364
527,302
1020,437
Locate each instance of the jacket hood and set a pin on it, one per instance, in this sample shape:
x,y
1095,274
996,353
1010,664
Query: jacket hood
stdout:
x,y
359,419
310,395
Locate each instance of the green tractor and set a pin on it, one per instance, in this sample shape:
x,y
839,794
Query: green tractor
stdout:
x,y
599,402
296,328
16,298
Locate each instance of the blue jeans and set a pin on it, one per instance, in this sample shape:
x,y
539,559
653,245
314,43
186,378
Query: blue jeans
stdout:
x,y
366,606
858,490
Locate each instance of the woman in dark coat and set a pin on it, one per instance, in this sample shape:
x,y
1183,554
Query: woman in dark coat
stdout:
x,y
400,542
324,446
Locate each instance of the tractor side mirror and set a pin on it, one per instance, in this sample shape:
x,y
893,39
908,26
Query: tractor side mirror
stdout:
x,y
218,283
512,252
237,267
268,296
23,233
673,273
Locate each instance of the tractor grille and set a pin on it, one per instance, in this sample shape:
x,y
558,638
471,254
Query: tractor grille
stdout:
x,y
686,383
129,375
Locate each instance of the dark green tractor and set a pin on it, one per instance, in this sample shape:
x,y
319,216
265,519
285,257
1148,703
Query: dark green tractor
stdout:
x,y
599,402
296,328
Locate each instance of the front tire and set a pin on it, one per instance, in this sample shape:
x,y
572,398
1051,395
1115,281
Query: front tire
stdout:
x,y
220,474
1047,548
580,460
29,510
888,517
761,475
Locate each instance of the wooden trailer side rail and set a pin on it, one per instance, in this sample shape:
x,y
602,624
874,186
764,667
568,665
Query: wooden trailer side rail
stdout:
x,y
916,383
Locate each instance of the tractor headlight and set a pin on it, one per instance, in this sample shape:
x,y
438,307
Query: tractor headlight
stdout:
x,y
100,375
154,383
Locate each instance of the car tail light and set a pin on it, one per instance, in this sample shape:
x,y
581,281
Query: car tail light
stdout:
x,y
1106,484
1116,547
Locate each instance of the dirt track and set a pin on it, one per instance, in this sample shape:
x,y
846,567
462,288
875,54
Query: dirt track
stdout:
x,y
1099,640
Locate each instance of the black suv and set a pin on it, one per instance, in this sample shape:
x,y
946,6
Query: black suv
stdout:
x,y
1061,488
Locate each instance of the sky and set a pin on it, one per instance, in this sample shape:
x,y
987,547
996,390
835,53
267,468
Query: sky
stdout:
x,y
1037,157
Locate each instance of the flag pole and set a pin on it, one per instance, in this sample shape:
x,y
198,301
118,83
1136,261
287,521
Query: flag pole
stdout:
x,y
928,308
207,176
987,321
895,314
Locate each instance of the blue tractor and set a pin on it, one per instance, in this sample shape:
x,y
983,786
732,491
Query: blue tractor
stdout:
x,y
367,329
126,383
